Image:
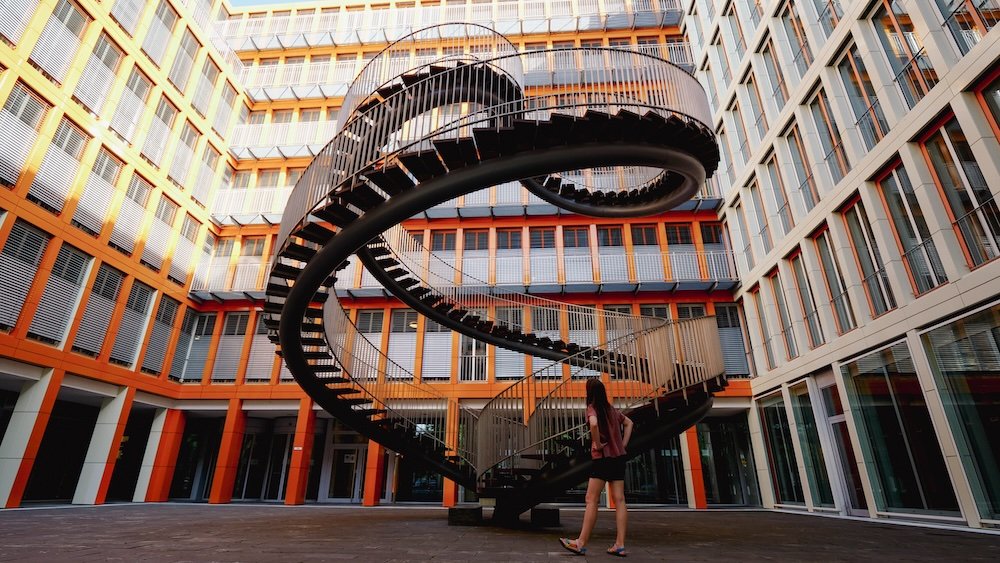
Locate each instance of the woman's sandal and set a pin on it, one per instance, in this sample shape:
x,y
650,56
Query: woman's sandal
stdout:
x,y
570,545
617,551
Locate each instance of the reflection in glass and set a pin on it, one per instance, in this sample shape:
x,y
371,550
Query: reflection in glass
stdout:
x,y
896,433
727,462
812,451
965,357
780,454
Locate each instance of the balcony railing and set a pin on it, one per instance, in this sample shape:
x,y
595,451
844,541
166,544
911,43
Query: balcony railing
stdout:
x,y
968,26
925,266
872,125
915,78
283,134
879,291
509,18
260,200
980,230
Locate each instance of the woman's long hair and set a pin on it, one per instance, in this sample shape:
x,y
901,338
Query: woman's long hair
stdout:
x,y
597,397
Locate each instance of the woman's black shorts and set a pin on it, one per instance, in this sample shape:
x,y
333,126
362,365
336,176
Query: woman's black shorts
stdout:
x,y
608,469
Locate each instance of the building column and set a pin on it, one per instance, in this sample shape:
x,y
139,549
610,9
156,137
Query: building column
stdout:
x,y
157,469
229,454
694,475
24,435
450,496
103,450
302,447
374,474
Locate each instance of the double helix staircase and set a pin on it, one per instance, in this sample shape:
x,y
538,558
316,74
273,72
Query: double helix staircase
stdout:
x,y
416,135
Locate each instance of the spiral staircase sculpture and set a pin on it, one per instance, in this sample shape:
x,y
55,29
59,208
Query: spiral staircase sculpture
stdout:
x,y
417,133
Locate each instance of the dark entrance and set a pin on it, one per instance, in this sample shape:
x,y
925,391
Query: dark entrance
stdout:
x,y
727,461
130,453
62,452
196,459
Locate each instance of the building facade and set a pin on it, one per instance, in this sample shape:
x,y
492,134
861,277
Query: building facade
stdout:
x,y
151,146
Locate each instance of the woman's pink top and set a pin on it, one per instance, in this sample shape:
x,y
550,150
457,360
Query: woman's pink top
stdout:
x,y
612,444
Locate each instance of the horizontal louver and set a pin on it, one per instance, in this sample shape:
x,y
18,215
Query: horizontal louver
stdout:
x,y
126,226
57,45
180,263
18,266
127,114
437,355
18,138
132,327
92,209
194,367
92,90
156,243
156,141
54,179
183,345
261,359
403,352
97,315
159,338
230,350
14,18
734,355
127,12
61,296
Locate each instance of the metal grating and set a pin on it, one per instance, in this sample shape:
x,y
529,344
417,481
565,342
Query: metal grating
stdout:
x,y
18,265
61,296
97,315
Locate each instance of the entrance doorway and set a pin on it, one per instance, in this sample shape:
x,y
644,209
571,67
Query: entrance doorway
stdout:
x,y
343,476
264,459
727,461
841,438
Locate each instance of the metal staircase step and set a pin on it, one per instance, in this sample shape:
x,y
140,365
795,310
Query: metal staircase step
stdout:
x,y
444,307
341,391
362,197
407,283
387,262
392,180
280,290
313,313
298,252
273,308
357,401
419,292
423,165
325,368
457,153
487,143
457,314
369,412
396,273
312,341
336,214
378,251
314,232
285,271
316,355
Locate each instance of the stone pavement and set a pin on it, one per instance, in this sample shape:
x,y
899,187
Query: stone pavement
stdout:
x,y
235,532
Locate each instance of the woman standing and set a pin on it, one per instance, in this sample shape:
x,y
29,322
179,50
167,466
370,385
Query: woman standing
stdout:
x,y
610,431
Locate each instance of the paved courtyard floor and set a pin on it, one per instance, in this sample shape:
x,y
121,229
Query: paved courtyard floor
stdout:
x,y
198,532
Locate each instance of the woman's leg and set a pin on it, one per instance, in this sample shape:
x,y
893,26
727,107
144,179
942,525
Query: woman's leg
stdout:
x,y
621,511
594,488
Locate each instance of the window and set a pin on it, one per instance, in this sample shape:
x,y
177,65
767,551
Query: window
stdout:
x,y
814,330
968,20
802,55
711,233
739,132
836,289
690,310
829,136
576,237
25,106
166,210
25,243
180,72
160,30
369,321
779,92
829,13
403,320
252,246
508,239
131,105
542,237
190,227
760,214
544,319
678,233
139,190
871,124
744,234
657,311
912,235
442,241
784,319
476,240
235,324
644,235
780,194
609,236
733,19
756,107
971,204
765,333
914,73
803,173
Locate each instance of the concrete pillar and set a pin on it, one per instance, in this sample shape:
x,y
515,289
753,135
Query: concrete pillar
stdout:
x,y
229,454
161,456
24,435
102,453
374,474
694,476
298,466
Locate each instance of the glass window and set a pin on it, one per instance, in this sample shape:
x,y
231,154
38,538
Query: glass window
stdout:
x,y
403,320
576,237
765,332
678,233
542,237
779,92
476,240
785,219
812,451
840,301
756,107
166,210
744,234
814,329
27,107
803,172
508,239
829,14
970,201
369,321
644,235
780,451
866,251
442,241
802,55
912,235
252,246
907,469
914,73
690,310
871,124
829,136
784,318
965,358
760,214
609,236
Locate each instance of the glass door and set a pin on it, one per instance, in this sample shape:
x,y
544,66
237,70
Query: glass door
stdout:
x,y
857,505
347,474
